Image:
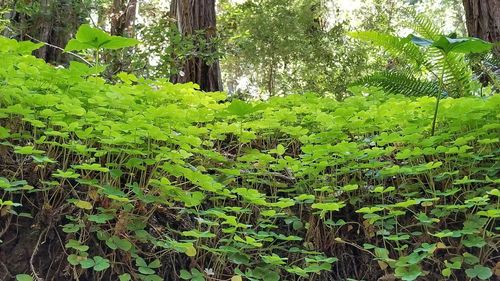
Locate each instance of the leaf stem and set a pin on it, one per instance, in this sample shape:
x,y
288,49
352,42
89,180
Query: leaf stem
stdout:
x,y
440,93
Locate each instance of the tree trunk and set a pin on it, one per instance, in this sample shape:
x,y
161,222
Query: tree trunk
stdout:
x,y
196,19
122,21
123,17
483,20
55,23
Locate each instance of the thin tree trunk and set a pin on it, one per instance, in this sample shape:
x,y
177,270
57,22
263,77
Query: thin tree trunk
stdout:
x,y
483,20
196,18
122,20
123,17
44,26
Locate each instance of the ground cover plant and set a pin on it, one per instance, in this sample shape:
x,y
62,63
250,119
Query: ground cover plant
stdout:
x,y
146,180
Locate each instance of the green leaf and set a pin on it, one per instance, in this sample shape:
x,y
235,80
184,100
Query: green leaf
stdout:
x,y
381,189
457,45
101,263
125,277
470,259
369,210
419,41
190,251
382,253
192,199
280,150
87,263
270,275
350,187
9,203
155,264
474,241
146,270
494,192
462,45
492,213
74,259
86,33
82,204
27,150
479,271
334,206
24,277
408,273
91,167
42,159
198,234
75,45
117,42
407,203
4,133
68,174
74,244
26,47
240,108
122,244
140,262
239,258
184,274
88,37
446,272
114,242
4,183
274,259
71,228
101,218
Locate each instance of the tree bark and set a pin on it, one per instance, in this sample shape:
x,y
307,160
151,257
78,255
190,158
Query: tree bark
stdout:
x,y
195,19
55,23
122,21
483,20
123,17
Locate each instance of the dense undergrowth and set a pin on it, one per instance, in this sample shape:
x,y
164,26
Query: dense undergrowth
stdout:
x,y
145,180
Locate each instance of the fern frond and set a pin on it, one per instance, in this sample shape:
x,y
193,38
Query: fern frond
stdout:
x,y
425,27
457,74
492,62
396,46
400,83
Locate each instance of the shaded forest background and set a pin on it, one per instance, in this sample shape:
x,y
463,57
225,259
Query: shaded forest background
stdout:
x,y
256,48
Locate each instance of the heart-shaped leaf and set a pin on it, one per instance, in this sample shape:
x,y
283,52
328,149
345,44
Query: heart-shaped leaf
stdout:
x,y
88,37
